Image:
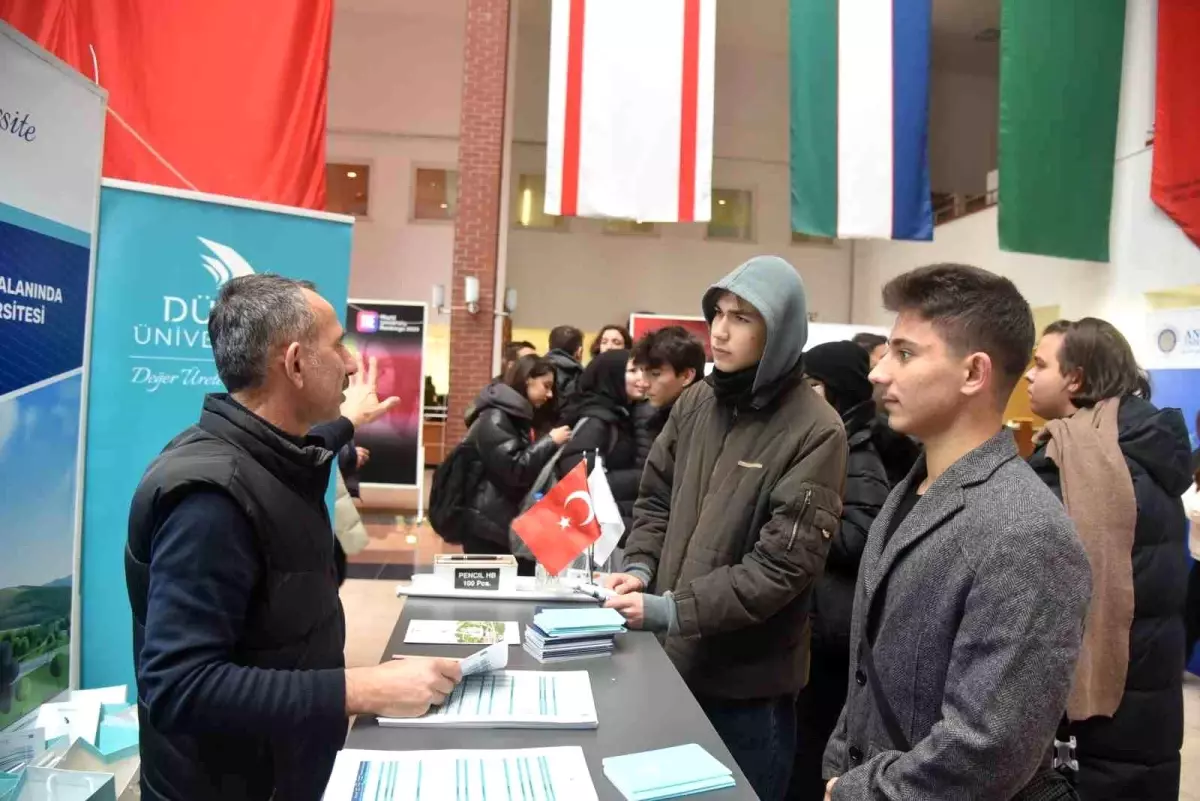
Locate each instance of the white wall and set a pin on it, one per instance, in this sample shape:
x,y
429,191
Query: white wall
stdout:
x,y
1148,251
588,278
395,85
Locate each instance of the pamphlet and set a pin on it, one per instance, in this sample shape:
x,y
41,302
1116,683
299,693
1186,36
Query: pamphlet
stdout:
x,y
462,632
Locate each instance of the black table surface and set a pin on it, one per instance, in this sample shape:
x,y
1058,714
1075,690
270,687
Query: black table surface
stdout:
x,y
641,701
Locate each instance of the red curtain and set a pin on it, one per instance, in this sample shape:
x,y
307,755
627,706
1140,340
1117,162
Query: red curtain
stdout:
x,y
1175,180
230,93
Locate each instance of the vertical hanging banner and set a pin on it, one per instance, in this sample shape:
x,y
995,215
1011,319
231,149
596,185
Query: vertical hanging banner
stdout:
x,y
860,118
51,146
630,116
163,256
1175,181
393,334
1060,82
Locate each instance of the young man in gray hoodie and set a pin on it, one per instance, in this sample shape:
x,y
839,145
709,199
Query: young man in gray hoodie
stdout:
x,y
738,502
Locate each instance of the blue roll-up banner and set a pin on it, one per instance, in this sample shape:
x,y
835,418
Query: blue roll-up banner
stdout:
x,y
1174,367
163,256
51,148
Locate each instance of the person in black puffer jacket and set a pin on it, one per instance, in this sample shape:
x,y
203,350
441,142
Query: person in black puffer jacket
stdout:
x,y
502,435
1134,754
837,371
602,397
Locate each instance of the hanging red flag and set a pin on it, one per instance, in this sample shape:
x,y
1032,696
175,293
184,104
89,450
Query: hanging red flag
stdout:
x,y
561,525
1175,181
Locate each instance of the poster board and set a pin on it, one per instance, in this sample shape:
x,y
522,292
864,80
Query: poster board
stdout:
x,y
51,147
393,333
163,256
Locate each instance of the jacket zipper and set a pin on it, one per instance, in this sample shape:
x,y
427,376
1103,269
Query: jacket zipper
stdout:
x,y
724,439
799,517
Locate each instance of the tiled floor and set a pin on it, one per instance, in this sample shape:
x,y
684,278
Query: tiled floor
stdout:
x,y
372,610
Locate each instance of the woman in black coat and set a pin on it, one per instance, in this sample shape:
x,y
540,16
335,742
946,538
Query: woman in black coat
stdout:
x,y
602,400
502,433
838,371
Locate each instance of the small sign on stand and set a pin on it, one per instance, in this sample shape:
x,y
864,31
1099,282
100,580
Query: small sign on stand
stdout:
x,y
486,573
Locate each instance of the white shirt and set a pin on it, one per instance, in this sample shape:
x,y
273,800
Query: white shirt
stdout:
x,y
1191,505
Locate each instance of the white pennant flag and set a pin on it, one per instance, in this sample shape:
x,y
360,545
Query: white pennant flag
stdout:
x,y
607,514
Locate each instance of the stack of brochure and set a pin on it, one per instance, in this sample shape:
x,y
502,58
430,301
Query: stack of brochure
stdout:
x,y
561,635
667,773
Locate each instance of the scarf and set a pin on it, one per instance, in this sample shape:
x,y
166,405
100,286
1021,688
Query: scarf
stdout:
x,y
734,389
1097,491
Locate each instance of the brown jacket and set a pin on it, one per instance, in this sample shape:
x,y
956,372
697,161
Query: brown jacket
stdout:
x,y
734,517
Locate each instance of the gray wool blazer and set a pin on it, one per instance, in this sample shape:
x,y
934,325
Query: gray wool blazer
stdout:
x,y
979,599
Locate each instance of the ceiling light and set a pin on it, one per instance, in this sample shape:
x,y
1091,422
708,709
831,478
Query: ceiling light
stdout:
x,y
526,207
721,202
445,206
351,174
411,539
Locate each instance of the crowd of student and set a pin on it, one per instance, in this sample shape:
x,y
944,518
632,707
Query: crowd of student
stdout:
x,y
750,510
867,589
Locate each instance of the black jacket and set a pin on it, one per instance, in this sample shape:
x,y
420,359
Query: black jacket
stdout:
x,y
865,494
898,452
501,433
648,423
1135,754
615,440
567,372
238,631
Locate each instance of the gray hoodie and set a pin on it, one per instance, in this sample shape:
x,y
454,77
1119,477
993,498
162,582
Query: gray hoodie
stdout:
x,y
772,286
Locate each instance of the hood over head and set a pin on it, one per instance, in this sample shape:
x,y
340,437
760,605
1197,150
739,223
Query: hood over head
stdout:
x,y
498,395
772,286
601,390
843,368
1158,440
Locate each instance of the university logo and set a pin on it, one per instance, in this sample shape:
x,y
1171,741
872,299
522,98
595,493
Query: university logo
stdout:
x,y
225,263
1168,340
367,322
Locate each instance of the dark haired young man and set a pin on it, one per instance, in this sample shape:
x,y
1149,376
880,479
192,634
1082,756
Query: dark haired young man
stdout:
x,y
671,360
566,354
1120,465
973,586
737,506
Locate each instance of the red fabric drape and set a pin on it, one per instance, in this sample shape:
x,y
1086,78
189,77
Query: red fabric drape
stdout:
x,y
231,93
1175,181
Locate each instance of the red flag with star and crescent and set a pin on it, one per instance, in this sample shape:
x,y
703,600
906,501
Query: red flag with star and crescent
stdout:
x,y
560,526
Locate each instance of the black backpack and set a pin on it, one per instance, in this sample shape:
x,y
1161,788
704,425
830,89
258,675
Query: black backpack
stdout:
x,y
454,480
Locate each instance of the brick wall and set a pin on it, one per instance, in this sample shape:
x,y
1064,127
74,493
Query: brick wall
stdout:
x,y
476,232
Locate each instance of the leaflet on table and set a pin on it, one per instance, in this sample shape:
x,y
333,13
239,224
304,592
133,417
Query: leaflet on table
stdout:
x,y
19,748
513,699
462,632
72,720
533,774
494,657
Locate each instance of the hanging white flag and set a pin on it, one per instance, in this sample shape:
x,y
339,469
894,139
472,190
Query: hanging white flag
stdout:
x,y
629,125
607,514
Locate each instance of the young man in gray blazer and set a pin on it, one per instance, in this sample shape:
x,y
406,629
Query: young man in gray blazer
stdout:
x,y
974,587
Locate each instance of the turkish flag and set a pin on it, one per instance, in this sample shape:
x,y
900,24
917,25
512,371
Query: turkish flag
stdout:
x,y
561,525
1175,181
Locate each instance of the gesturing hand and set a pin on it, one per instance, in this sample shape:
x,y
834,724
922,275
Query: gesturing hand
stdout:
x,y
362,404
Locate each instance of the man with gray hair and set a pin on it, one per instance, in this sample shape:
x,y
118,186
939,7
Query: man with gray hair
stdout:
x,y
238,630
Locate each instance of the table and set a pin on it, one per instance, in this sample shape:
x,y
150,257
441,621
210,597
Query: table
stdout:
x,y
642,702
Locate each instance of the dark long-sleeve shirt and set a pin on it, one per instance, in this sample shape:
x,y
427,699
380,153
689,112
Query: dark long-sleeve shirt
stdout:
x,y
204,570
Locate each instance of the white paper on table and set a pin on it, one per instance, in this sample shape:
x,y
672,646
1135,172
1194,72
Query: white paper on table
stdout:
x,y
529,774
21,747
608,515
462,632
513,699
494,657
118,694
75,721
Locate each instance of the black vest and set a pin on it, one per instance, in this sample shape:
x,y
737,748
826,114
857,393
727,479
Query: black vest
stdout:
x,y
294,621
